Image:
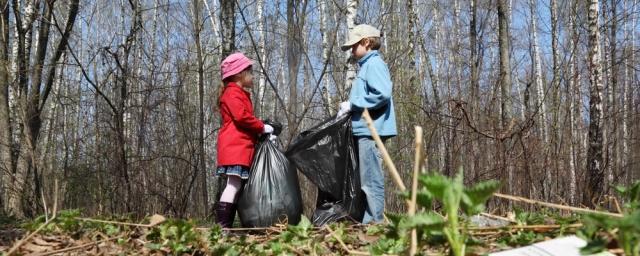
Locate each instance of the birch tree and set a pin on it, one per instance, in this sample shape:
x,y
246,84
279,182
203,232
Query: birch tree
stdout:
x,y
595,167
541,104
350,68
32,99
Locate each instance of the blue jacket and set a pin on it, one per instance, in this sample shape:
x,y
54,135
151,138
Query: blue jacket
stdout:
x,y
372,89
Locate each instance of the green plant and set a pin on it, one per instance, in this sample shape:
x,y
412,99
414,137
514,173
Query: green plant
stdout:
x,y
601,231
65,221
454,197
179,236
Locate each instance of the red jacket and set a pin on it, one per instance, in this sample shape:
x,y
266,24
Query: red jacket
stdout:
x,y
240,128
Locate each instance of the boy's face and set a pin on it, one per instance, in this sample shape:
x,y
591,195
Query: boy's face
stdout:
x,y
360,49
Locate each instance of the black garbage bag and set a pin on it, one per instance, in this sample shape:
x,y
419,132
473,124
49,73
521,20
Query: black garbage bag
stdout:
x,y
327,156
272,193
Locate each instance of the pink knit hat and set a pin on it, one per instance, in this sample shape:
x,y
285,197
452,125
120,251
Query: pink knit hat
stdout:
x,y
234,64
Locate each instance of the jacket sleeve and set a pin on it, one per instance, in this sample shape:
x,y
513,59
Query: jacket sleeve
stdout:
x,y
377,91
241,116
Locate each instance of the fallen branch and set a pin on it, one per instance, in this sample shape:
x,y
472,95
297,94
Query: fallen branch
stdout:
x,y
19,243
557,206
114,222
497,217
525,227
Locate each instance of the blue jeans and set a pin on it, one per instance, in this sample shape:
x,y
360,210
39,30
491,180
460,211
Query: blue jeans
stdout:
x,y
371,179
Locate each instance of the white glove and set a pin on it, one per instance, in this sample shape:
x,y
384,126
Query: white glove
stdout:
x,y
272,138
345,107
267,129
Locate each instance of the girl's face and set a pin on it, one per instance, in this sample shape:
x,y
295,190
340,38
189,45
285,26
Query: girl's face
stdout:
x,y
360,49
245,78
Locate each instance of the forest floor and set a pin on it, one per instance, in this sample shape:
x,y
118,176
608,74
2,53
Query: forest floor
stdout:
x,y
70,234
445,217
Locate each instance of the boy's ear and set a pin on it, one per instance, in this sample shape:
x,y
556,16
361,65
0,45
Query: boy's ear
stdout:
x,y
367,43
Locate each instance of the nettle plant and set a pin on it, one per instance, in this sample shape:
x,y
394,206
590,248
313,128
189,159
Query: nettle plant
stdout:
x,y
455,199
603,231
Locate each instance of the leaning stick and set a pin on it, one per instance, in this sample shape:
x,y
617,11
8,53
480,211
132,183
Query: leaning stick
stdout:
x,y
383,151
19,243
557,206
414,189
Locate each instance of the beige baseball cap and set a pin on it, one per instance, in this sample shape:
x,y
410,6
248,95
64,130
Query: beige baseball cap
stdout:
x,y
358,33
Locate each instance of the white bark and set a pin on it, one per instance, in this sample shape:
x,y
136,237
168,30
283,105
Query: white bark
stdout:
x,y
263,54
215,26
573,83
607,105
435,26
537,74
541,105
352,10
594,154
325,53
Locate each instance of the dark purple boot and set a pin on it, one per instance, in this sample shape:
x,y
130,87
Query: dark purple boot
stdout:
x,y
225,214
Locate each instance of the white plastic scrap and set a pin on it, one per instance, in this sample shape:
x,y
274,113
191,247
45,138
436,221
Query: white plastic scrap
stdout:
x,y
564,246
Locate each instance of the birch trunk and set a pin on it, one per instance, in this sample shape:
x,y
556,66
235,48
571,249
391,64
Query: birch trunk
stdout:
x,y
573,82
594,155
263,56
325,55
352,11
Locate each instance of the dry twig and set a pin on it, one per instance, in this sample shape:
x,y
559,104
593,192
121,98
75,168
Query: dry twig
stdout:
x,y
19,243
557,206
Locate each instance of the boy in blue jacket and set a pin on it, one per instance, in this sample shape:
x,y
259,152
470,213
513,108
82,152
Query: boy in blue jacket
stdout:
x,y
372,89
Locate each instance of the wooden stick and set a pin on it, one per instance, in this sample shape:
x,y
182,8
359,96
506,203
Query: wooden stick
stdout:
x,y
114,222
496,217
383,150
576,225
19,243
55,197
615,201
557,206
414,189
344,246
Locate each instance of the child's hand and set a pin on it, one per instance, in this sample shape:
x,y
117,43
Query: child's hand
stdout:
x,y
267,129
277,127
345,107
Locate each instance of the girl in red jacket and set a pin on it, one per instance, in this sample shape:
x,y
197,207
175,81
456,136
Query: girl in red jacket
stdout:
x,y
239,133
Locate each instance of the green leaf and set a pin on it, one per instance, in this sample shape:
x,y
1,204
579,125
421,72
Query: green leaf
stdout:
x,y
386,245
153,246
474,198
436,184
424,198
424,220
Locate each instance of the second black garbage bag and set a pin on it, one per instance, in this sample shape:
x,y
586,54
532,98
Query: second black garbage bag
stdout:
x,y
327,156
272,193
